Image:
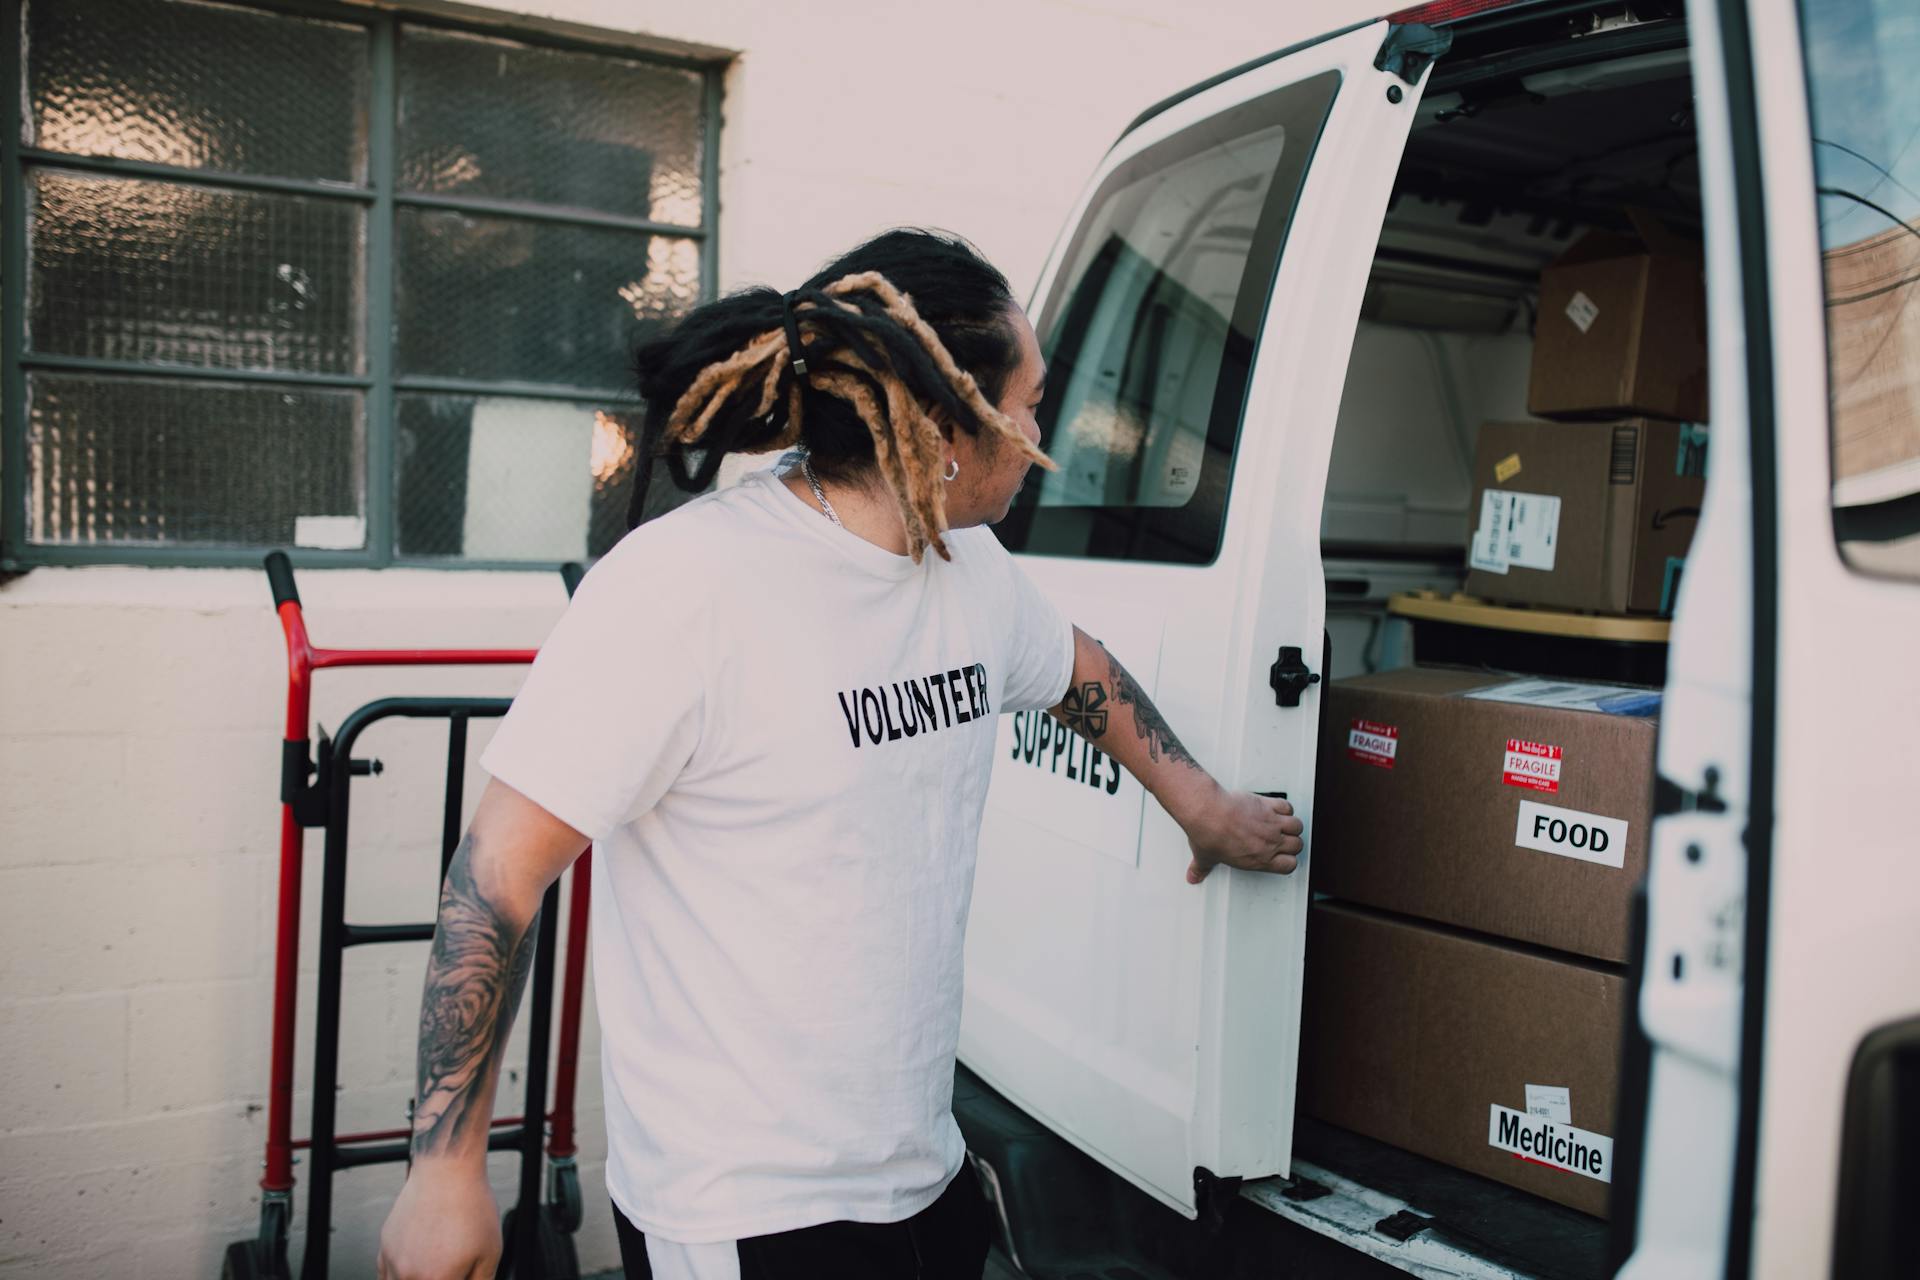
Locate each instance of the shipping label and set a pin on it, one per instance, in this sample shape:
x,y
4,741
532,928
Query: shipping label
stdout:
x,y
1568,695
1373,743
1582,310
1516,530
1534,765
1557,1145
1590,837
1550,1102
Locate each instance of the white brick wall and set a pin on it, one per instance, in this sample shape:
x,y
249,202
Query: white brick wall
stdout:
x,y
140,709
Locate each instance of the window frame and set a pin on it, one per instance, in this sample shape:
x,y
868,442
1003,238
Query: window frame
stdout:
x,y
379,383
1118,530
1877,521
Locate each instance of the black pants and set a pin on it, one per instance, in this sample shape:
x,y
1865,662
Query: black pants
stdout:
x,y
947,1240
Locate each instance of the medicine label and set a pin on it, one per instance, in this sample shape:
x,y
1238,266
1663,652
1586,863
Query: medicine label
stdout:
x,y
1552,1143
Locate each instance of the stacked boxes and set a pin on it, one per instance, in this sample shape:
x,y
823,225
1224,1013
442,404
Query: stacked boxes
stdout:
x,y
1594,514
1480,836
1484,834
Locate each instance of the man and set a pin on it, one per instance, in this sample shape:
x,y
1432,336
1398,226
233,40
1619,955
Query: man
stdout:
x,y
774,716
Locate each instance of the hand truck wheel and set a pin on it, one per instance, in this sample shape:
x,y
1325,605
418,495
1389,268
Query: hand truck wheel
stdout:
x,y
245,1260
554,1249
563,1194
265,1256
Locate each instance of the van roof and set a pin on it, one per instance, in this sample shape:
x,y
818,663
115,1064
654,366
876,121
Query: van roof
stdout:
x,y
1440,13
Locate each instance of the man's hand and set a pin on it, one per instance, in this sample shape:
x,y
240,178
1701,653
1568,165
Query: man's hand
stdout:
x,y
444,1226
1241,829
1106,706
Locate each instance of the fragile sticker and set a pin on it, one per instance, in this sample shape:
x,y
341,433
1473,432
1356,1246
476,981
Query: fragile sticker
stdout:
x,y
1534,765
1372,743
1582,310
1516,530
1506,469
1589,837
1550,1102
1556,1144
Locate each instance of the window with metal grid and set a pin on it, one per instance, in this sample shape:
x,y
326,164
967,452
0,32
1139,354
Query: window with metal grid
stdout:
x,y
358,284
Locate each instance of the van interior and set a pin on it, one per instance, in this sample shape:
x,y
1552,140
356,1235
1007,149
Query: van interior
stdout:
x,y
1503,171
1520,147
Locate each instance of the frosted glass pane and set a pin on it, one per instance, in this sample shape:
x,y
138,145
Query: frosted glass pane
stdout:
x,y
197,85
508,299
131,269
175,462
509,478
486,117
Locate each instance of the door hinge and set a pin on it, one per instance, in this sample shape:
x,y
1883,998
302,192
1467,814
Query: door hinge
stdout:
x,y
1289,677
1410,48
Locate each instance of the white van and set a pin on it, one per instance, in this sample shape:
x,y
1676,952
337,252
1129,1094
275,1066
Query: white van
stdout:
x,y
1286,301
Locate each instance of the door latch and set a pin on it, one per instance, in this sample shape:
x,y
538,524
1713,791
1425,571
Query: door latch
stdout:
x,y
1289,676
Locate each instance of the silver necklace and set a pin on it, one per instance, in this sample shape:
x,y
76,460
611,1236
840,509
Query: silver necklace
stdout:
x,y
806,469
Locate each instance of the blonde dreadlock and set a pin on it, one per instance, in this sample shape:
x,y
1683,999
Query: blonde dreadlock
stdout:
x,y
867,349
907,442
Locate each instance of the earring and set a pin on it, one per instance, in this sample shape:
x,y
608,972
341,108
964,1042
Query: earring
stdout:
x,y
953,469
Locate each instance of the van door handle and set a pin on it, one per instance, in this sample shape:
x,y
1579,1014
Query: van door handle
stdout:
x,y
1289,676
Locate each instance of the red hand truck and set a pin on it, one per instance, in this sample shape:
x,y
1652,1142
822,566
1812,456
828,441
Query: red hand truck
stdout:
x,y
314,791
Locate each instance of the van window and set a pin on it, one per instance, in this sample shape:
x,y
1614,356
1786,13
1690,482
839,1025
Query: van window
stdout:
x,y
1150,332
1865,102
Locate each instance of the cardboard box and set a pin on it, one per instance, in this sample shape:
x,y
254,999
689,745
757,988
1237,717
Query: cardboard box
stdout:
x,y
1447,1045
1591,517
1521,819
1622,328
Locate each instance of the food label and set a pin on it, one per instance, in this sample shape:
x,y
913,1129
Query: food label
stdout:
x,y
1555,1144
1590,837
1372,743
1534,765
1582,310
1516,529
1550,1102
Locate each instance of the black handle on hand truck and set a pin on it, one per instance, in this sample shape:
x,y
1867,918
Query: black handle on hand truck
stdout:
x,y
280,578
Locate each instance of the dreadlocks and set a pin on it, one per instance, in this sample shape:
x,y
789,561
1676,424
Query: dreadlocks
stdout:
x,y
908,330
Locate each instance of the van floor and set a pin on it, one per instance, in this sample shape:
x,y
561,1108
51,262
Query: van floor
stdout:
x,y
1516,1232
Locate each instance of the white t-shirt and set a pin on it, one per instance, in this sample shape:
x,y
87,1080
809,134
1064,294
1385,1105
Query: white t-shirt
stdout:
x,y
779,737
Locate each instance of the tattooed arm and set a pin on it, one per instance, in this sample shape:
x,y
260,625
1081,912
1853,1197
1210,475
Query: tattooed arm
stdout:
x,y
445,1222
481,949
1105,705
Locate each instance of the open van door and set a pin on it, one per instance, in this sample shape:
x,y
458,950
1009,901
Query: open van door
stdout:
x,y
1197,321
1781,991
